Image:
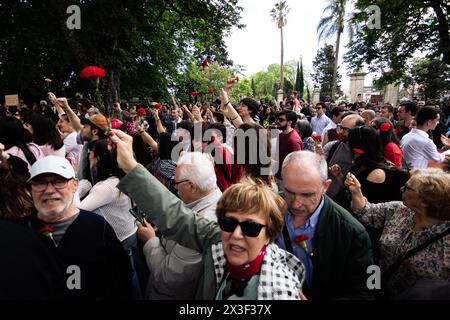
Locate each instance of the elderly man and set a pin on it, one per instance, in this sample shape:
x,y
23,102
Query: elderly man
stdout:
x,y
84,243
174,268
334,247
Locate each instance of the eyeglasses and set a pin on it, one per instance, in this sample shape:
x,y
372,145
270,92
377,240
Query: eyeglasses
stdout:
x,y
318,108
406,187
41,185
182,181
249,228
339,127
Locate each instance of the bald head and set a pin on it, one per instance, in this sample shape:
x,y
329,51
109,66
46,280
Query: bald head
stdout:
x,y
306,160
368,116
304,181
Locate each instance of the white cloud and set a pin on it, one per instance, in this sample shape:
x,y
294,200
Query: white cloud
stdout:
x,y
258,45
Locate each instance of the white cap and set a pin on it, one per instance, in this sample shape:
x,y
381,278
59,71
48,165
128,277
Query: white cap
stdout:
x,y
52,164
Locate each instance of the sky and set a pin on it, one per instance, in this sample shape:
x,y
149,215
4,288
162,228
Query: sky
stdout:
x,y
258,44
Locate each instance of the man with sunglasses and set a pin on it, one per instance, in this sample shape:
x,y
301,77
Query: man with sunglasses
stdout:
x,y
80,240
320,121
334,247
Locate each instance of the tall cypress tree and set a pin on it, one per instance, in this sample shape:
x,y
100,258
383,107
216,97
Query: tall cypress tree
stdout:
x,y
302,80
253,88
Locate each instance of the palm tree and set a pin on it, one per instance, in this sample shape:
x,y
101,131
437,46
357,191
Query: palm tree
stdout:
x,y
278,15
330,25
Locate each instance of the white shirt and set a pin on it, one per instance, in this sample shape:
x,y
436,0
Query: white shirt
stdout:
x,y
318,124
418,149
73,149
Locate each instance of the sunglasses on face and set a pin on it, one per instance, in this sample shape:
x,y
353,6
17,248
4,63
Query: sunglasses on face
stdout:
x,y
249,228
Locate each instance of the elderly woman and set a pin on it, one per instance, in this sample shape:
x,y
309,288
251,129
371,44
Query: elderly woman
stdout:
x,y
424,214
240,260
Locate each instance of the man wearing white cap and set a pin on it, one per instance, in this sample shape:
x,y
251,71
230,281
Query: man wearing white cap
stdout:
x,y
96,265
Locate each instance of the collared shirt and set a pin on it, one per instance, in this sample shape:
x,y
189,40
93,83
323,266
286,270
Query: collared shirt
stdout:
x,y
418,149
309,228
319,123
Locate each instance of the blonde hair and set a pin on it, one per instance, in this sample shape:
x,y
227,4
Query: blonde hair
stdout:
x,y
433,188
254,196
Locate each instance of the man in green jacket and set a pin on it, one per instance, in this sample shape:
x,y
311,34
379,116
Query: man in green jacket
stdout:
x,y
334,247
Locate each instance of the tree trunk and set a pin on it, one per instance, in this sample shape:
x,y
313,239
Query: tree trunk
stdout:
x,y
282,62
444,34
334,80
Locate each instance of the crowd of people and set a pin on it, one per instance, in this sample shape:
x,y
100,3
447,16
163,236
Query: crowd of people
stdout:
x,y
229,202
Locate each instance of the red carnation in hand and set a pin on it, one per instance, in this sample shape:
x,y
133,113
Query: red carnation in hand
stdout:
x,y
142,112
158,106
92,72
385,127
317,138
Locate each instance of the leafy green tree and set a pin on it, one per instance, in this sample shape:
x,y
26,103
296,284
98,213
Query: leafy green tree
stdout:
x,y
142,45
407,27
330,25
323,66
432,76
279,14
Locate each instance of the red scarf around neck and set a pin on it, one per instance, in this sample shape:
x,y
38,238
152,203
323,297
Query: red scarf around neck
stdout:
x,y
246,271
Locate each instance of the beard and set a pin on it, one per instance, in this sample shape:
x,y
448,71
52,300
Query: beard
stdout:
x,y
51,215
282,128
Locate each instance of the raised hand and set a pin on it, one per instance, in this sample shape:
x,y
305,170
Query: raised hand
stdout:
x,y
352,184
124,146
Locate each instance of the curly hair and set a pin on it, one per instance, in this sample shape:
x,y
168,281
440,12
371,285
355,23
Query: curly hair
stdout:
x,y
254,196
433,188
15,199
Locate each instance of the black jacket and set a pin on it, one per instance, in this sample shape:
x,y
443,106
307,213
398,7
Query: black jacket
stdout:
x,y
91,244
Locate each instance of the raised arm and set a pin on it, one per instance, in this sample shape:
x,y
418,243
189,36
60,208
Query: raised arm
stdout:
x,y
165,210
228,109
73,118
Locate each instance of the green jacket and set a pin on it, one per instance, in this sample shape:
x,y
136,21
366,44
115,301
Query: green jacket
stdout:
x,y
178,223
342,253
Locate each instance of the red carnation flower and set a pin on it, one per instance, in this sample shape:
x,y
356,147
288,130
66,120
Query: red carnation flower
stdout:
x,y
210,90
205,63
46,229
142,112
358,151
301,238
194,93
385,127
158,106
317,138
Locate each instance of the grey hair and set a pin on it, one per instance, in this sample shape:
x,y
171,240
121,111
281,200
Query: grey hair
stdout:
x,y
307,158
198,168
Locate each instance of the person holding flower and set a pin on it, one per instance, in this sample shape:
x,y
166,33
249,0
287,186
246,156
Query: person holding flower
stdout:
x,y
239,257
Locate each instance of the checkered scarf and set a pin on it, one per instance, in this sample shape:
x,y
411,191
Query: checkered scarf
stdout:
x,y
281,276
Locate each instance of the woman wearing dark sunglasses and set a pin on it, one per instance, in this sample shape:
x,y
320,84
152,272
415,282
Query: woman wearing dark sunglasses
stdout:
x,y
240,260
